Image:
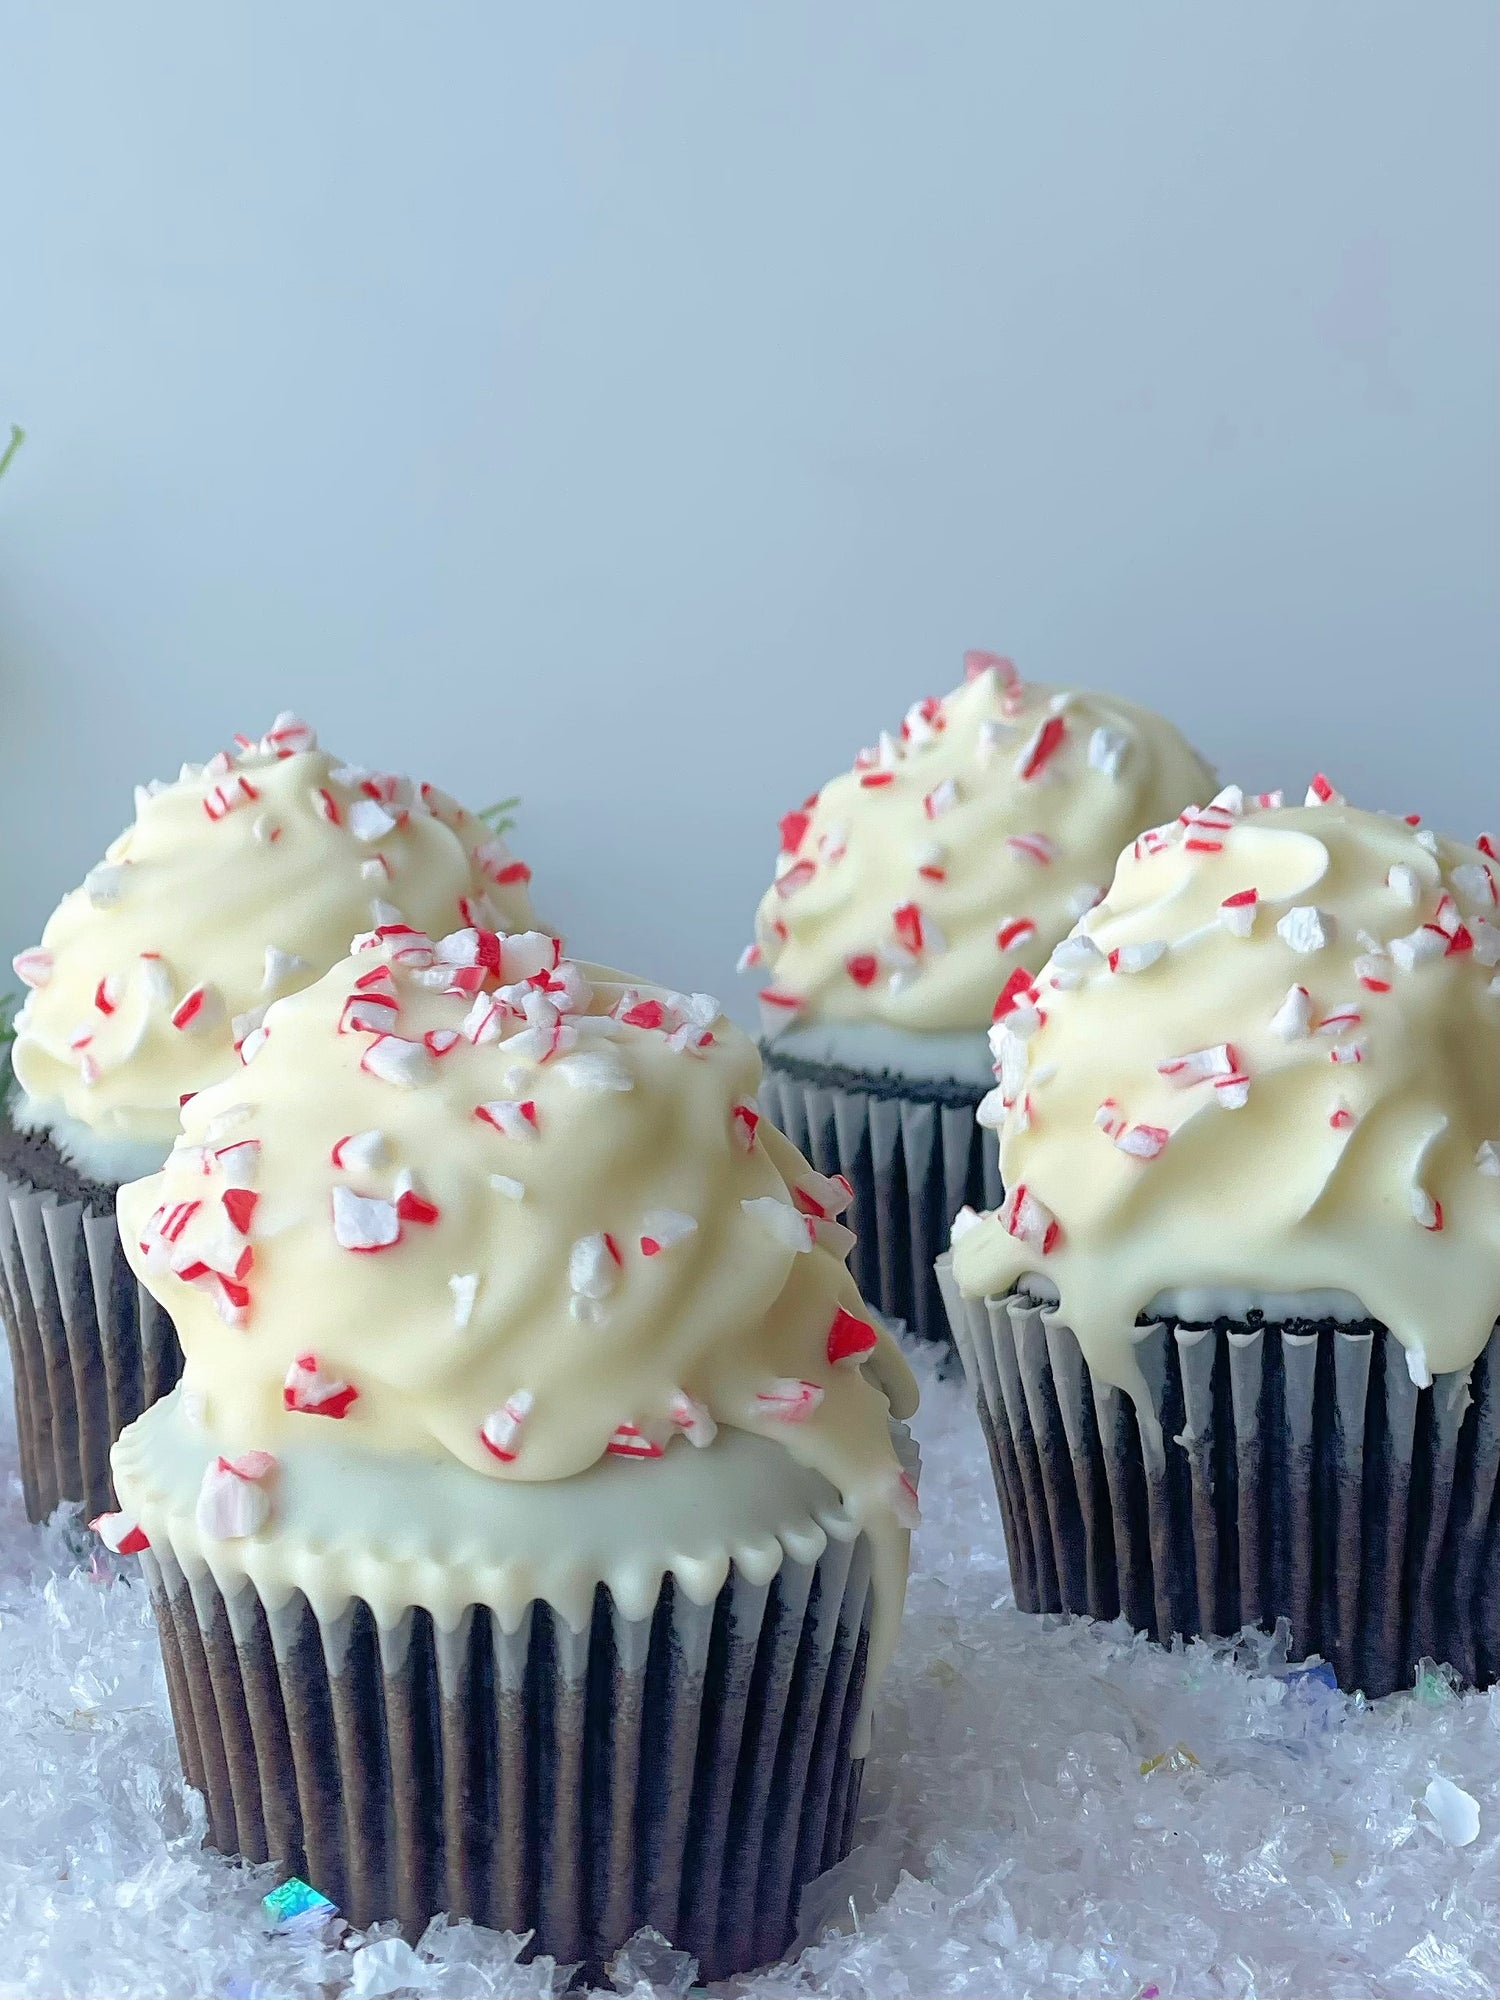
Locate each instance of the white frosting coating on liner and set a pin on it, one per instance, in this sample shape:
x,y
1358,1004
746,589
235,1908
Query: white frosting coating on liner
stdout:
x,y
400,1530
909,888
245,879
1333,1131
607,1260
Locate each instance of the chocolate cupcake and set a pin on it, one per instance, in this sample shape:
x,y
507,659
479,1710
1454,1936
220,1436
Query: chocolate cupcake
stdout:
x,y
1232,1333
909,894
242,880
527,1534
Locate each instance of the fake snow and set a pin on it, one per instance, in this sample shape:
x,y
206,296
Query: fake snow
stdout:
x,y
1051,1808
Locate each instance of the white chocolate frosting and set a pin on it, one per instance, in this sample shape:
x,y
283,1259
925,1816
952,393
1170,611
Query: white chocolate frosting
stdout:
x,y
909,888
509,1217
243,880
1268,1064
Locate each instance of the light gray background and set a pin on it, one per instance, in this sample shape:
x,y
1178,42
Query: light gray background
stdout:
x,y
637,406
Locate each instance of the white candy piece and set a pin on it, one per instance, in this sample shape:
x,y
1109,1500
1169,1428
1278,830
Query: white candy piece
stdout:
x,y
1305,928
104,883
501,1427
360,1151
1137,957
1402,881
395,1060
788,1399
465,1289
364,1222
369,820
1082,899
282,967
230,1508
1077,955
1408,952
1416,1365
791,1230
1293,1018
595,1069
523,954
966,1219
593,1271
509,1186
1107,749
1486,943
1473,882
1487,1159
991,1109
663,1227
508,1115
693,1419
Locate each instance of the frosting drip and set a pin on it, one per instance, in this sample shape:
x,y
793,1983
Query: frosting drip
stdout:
x,y
908,888
1268,1060
243,880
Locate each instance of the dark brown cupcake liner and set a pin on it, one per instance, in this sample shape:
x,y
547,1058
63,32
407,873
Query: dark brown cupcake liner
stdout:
x,y
914,1156
691,1770
90,1349
1301,1474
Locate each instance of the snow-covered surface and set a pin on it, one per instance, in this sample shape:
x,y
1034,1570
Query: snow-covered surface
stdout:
x,y
1051,1809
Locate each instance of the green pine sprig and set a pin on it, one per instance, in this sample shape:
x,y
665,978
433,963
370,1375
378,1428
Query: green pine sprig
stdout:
x,y
501,817
17,439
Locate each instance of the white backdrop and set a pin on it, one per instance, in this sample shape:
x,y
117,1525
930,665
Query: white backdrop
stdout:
x,y
636,407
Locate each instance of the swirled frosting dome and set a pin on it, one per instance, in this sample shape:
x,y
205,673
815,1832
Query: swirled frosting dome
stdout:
x,y
1267,1064
243,880
471,1202
909,888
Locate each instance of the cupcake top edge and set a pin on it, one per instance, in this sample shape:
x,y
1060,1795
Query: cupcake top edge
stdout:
x,y
1267,1064
242,879
966,844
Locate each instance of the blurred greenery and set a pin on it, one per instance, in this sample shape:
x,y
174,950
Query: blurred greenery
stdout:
x,y
501,818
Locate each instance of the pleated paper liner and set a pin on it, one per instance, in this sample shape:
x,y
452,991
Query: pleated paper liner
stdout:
x,y
691,1770
1301,1475
90,1350
914,1157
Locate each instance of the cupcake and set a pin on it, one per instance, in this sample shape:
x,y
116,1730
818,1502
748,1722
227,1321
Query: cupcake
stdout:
x,y
527,1533
243,880
909,893
1232,1332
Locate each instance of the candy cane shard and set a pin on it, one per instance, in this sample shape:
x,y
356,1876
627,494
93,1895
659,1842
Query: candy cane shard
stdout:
x,y
364,1222
1321,792
966,1219
1426,942
1106,751
596,1069
781,1220
358,1152
1012,934
941,799
1199,1066
1341,1117
662,1228
1232,1091
1305,928
1404,883
1371,972
104,884
509,1186
903,1498
796,877
1237,912
33,968
862,967
1426,1209
119,1533
1137,957
851,1340
629,1441
1084,898
1042,746
232,1502
1487,1158
312,1392
1032,847
501,1429
1293,1018
464,1287
743,1120
239,1206
1030,1220
788,1400
394,1060
1143,1142
594,1265
751,956
281,969
200,1009
693,1419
